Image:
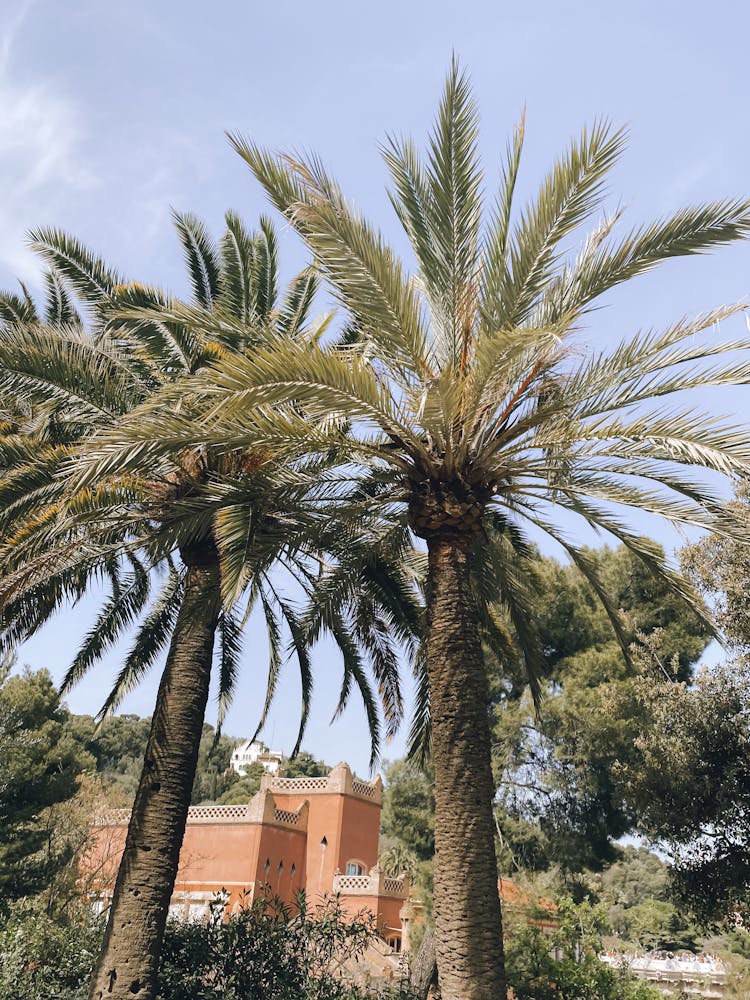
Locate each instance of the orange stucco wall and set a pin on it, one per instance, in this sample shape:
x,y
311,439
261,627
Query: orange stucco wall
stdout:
x,y
228,850
323,821
386,910
284,852
358,833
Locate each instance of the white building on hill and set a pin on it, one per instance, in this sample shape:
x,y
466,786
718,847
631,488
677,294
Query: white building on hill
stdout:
x,y
250,752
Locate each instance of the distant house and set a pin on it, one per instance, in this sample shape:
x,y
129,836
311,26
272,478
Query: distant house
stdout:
x,y
316,834
255,752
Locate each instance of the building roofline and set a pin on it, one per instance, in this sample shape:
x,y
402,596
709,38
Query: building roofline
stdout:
x,y
339,781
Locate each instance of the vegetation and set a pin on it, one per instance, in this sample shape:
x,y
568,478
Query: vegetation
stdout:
x,y
575,972
695,758
211,447
40,769
267,951
559,768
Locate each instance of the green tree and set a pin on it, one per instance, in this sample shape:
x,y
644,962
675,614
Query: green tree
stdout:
x,y
468,397
409,808
304,765
40,766
267,951
213,776
720,568
692,771
636,876
214,523
243,789
575,972
560,798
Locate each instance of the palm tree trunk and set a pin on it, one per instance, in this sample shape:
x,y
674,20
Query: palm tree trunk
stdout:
x,y
129,959
468,927
424,967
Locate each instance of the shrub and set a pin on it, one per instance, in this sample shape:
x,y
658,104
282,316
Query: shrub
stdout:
x,y
266,951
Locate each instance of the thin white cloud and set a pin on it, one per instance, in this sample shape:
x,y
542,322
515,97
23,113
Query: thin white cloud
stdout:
x,y
40,152
10,32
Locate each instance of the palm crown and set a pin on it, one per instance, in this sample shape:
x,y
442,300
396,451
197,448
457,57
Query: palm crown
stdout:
x,y
463,381
268,514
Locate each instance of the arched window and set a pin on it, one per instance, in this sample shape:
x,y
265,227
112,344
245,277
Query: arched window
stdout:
x,y
355,868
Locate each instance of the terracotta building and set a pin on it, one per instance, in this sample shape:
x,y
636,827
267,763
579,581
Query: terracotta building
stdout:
x,y
316,834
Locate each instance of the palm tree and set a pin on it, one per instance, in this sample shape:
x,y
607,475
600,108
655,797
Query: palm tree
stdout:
x,y
469,400
236,521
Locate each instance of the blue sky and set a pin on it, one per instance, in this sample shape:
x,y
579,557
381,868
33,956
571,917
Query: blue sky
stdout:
x,y
111,113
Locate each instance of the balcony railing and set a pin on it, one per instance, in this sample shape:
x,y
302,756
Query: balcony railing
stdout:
x,y
376,883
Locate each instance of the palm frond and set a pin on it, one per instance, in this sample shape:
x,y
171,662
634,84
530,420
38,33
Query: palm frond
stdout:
x,y
567,197
296,303
363,271
275,658
151,639
265,270
117,613
59,309
75,264
230,654
200,257
237,250
16,310
687,232
355,673
496,242
454,179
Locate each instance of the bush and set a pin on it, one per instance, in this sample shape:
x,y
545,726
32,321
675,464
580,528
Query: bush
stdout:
x,y
47,959
266,951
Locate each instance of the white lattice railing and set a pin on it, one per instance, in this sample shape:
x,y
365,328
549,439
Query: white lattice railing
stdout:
x,y
286,816
298,784
196,814
352,883
393,886
363,788
214,814
114,817
374,884
339,781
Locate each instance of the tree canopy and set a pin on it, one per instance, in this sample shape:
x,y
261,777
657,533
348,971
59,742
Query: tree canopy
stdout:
x,y
41,763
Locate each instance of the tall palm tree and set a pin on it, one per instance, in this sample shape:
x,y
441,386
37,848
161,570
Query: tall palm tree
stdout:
x,y
222,527
467,395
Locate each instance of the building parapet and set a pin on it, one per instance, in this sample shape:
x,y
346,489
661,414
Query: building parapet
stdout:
x,y
376,883
260,809
339,781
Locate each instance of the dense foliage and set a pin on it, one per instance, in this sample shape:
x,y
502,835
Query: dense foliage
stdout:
x,y
564,965
269,951
561,800
40,767
266,951
692,773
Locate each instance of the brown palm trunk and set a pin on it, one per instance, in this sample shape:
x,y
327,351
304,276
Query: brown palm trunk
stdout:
x,y
423,972
129,958
468,927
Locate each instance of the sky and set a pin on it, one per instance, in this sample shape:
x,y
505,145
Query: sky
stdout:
x,y
112,114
